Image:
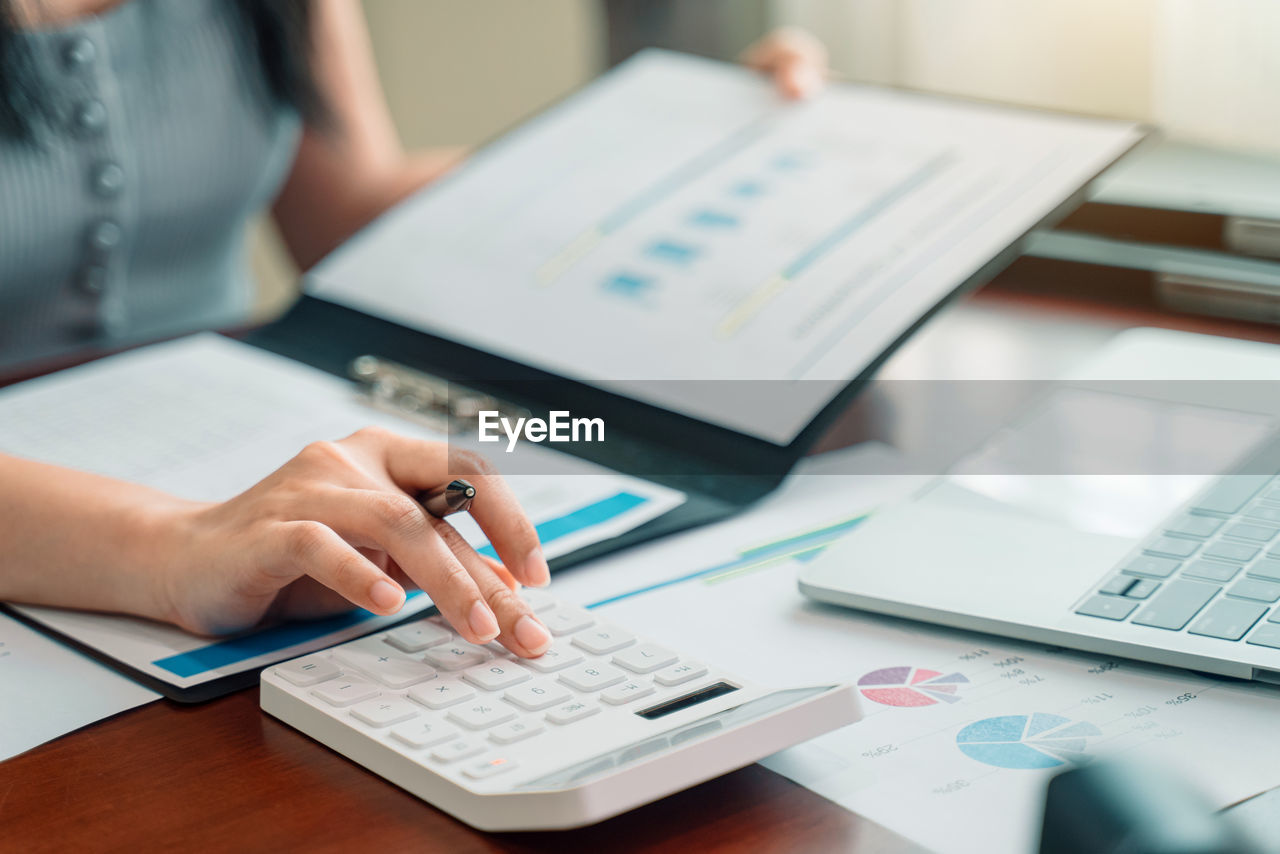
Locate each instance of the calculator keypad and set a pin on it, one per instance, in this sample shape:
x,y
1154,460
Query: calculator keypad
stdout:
x,y
478,711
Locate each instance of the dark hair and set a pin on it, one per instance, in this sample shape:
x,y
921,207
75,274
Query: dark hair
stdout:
x,y
281,36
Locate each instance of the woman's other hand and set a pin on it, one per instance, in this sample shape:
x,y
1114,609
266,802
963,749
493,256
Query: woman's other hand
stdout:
x,y
794,58
337,526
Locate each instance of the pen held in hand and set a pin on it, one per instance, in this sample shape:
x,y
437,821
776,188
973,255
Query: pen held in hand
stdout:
x,y
454,497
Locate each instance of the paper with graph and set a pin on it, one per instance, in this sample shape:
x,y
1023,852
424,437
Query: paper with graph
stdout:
x,y
677,221
961,731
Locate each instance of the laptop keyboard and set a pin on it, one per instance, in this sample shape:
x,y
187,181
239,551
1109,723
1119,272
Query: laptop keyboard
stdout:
x,y
1212,569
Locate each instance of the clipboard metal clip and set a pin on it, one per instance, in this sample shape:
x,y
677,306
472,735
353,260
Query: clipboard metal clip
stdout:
x,y
441,405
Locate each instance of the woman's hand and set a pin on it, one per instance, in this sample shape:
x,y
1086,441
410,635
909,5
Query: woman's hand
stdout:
x,y
336,525
794,58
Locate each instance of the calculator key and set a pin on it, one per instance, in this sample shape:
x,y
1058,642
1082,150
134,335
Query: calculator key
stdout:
x,y
536,696
1144,588
1211,570
1240,552
645,658
1152,567
456,656
570,712
1267,634
1194,526
384,711
1231,493
1106,607
309,670
567,620
603,638
559,656
538,600
1171,547
1173,607
678,674
416,637
440,694
1266,569
459,748
497,675
489,767
1258,591
482,714
1228,619
372,657
592,677
346,691
516,731
425,733
1248,531
626,692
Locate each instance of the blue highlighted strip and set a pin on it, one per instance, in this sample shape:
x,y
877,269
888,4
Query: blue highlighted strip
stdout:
x,y
231,651
802,546
583,518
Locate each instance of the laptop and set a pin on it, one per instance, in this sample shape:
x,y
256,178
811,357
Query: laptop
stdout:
x,y
1132,510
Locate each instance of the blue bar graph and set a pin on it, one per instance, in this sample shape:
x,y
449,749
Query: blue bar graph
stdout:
x,y
629,285
714,219
673,251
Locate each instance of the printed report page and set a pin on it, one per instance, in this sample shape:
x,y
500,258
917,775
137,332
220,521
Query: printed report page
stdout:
x,y
677,220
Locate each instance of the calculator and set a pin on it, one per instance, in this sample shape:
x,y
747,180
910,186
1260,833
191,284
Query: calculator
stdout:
x,y
601,723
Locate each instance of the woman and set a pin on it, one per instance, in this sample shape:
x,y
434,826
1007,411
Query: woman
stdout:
x,y
136,139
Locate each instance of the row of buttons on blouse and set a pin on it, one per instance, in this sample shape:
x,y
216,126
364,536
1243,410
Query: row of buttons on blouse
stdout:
x,y
106,178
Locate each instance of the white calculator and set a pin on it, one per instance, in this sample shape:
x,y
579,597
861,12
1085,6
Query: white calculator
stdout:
x,y
603,722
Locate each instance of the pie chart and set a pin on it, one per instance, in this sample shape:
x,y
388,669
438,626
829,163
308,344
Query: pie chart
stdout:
x,y
911,686
1040,740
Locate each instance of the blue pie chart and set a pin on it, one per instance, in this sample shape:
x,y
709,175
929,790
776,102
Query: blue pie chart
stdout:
x,y
1027,742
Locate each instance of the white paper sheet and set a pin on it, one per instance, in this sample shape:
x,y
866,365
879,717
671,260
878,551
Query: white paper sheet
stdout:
x,y
50,690
677,220
205,418
944,709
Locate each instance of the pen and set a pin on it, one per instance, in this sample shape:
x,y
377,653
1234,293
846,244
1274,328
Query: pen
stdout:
x,y
454,497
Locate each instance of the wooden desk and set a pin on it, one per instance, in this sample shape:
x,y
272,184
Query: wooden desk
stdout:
x,y
225,777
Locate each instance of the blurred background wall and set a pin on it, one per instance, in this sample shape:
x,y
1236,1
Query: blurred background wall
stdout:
x,y
460,71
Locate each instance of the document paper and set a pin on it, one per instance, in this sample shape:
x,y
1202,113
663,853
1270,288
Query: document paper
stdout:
x,y
50,690
205,418
678,221
961,731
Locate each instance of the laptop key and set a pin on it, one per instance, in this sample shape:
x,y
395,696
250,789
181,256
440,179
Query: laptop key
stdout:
x,y
1266,569
1171,547
1248,531
1232,492
1173,607
1240,552
1228,619
1152,567
1259,591
1194,526
1106,607
1265,512
1267,634
1211,570
1117,586
1144,588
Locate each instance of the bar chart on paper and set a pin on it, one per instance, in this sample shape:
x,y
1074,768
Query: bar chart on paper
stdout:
x,y
714,232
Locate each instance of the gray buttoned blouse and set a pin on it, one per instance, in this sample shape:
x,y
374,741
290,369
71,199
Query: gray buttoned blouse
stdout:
x,y
124,218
